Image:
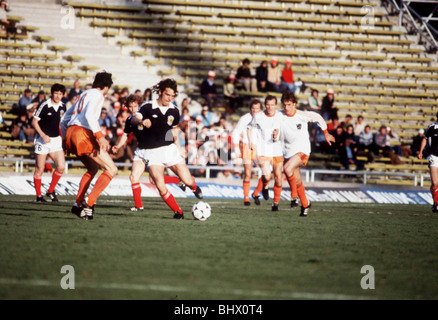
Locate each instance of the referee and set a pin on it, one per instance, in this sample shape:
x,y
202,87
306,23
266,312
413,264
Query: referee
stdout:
x,y
431,140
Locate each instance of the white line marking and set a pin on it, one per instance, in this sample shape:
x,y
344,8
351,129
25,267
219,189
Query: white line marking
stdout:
x,y
164,288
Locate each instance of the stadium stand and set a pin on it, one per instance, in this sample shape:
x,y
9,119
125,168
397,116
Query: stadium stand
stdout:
x,y
376,68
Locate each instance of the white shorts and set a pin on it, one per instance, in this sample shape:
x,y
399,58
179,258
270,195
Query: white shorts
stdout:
x,y
166,156
433,161
41,147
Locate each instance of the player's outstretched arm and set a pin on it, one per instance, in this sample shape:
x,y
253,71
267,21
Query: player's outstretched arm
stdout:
x,y
423,145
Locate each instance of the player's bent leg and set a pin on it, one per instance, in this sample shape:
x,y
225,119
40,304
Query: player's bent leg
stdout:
x,y
181,170
103,160
266,178
157,174
278,170
59,159
301,190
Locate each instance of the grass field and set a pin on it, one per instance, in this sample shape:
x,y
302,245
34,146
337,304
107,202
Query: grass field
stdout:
x,y
238,253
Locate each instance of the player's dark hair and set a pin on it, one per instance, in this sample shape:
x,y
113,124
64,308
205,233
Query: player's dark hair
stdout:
x,y
270,97
255,101
134,98
288,96
164,84
57,87
102,80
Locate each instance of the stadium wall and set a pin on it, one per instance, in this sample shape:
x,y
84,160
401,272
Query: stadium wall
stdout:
x,y
121,186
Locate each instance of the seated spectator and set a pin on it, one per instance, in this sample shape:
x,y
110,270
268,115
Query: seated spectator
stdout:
x,y
209,90
244,77
24,101
416,143
262,76
147,95
314,103
359,126
40,98
366,139
381,145
333,124
21,127
233,100
287,76
207,117
365,144
348,121
350,146
105,119
328,108
394,141
338,147
75,90
225,175
7,26
274,82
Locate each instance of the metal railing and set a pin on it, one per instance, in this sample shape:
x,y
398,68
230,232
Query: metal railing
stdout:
x,y
408,16
307,174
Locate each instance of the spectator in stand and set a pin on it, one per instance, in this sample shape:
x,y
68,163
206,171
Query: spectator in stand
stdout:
x,y
366,139
244,76
348,121
274,82
338,147
105,120
287,76
209,90
147,95
206,116
21,127
314,102
40,98
185,116
7,26
333,124
381,145
394,141
350,146
124,93
262,76
76,88
328,109
359,126
231,97
416,143
25,100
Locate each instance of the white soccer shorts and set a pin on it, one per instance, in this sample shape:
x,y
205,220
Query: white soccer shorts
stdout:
x,y
433,161
166,156
41,147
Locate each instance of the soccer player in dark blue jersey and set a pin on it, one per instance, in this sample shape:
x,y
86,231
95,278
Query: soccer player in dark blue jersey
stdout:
x,y
157,122
48,141
430,140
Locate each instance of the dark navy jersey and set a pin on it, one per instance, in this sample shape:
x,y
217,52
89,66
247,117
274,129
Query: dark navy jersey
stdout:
x,y
49,116
163,120
431,135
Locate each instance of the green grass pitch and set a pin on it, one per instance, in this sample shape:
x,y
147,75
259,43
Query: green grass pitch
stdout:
x,y
239,253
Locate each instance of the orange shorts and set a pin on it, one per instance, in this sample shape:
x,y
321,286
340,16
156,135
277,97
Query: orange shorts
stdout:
x,y
80,141
247,154
304,158
272,160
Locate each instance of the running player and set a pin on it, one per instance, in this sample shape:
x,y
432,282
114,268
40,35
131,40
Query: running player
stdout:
x,y
269,152
430,140
48,141
84,138
158,120
138,165
296,144
240,138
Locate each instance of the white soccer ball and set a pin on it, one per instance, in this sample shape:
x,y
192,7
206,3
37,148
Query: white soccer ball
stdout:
x,y
201,211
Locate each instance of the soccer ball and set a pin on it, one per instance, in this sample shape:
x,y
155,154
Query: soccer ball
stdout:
x,y
201,211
